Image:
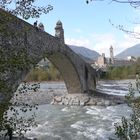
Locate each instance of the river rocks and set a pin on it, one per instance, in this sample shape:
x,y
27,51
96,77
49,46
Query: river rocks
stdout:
x,y
72,99
39,97
57,99
107,103
92,102
61,97
83,100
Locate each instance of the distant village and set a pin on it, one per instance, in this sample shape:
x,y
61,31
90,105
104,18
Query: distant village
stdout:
x,y
103,61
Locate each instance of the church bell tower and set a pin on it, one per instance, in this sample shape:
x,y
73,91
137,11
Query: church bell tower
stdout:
x,y
111,55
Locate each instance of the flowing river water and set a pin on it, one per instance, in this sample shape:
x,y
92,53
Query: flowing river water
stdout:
x,y
56,122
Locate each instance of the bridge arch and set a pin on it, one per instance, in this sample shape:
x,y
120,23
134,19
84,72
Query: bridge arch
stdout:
x,y
67,71
17,35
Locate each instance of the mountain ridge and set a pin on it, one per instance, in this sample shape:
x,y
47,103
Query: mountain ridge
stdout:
x,y
132,51
85,52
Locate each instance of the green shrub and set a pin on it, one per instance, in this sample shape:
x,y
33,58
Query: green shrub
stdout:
x,y
129,128
15,123
42,74
123,72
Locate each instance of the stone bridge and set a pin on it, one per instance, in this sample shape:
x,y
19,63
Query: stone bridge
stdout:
x,y
22,46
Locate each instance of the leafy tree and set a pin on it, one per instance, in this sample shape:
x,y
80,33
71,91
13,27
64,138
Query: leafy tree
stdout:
x,y
18,59
15,120
24,8
123,72
15,62
129,128
44,74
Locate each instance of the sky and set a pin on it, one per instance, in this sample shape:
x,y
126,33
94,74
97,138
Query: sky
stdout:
x,y
88,25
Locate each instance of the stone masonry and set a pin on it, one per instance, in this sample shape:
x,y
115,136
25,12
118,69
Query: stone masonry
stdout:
x,y
17,35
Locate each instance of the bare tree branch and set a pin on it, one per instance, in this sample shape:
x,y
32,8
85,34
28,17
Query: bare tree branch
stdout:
x,y
133,3
131,33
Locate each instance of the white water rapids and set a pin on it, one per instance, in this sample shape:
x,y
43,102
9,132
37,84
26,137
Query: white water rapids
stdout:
x,y
80,123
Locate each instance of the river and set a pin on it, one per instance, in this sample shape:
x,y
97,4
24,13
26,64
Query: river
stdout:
x,y
56,122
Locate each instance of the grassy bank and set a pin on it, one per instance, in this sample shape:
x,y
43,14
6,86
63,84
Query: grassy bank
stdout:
x,y
43,74
124,72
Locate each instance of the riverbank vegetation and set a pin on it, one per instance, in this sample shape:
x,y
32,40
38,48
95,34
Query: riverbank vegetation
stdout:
x,y
123,72
129,127
50,73
44,74
17,59
17,120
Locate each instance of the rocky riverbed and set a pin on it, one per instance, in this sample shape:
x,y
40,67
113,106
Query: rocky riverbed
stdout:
x,y
60,96
41,96
95,98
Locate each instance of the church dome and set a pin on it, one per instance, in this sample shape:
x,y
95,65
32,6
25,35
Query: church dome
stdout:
x,y
59,22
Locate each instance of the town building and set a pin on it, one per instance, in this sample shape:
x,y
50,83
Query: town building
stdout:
x,y
103,61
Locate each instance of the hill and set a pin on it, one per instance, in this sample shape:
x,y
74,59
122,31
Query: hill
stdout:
x,y
86,53
132,51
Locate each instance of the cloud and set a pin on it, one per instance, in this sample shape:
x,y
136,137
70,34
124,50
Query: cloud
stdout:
x,y
118,45
137,29
103,47
78,42
102,37
77,30
102,42
97,42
